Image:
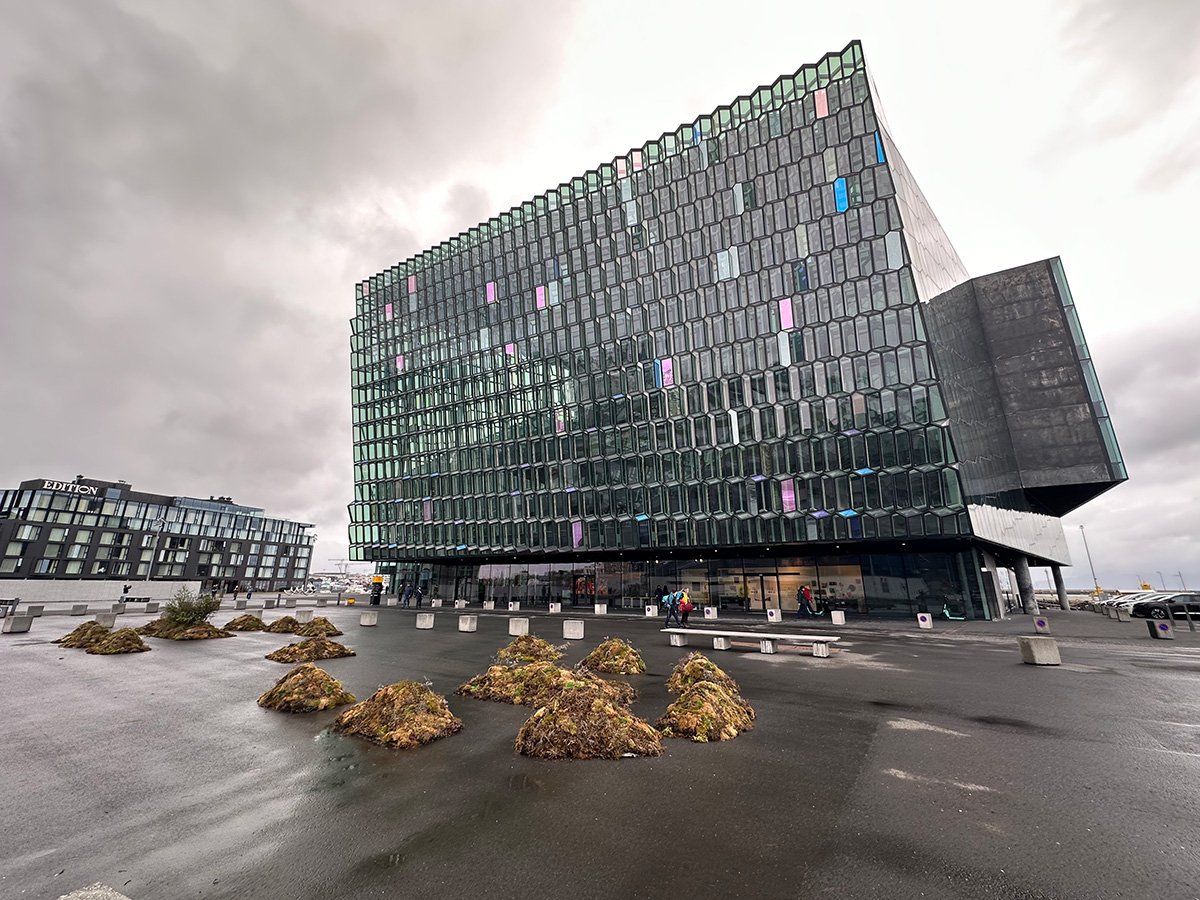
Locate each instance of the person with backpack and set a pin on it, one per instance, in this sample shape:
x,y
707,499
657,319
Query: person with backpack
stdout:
x,y
685,607
672,603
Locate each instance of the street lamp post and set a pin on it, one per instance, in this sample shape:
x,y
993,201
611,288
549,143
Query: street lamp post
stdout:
x,y
1162,581
1095,580
1181,584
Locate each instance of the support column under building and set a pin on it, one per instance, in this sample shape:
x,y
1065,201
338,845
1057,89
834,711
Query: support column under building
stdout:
x,y
1060,587
1025,586
992,577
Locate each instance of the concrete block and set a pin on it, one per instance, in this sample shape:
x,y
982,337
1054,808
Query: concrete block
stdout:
x,y
925,621
289,602
518,626
436,603
239,604
651,610
268,604
321,601
821,650
678,640
722,643
774,615
1160,630
1039,651
468,623
766,646
79,609
710,612
424,620
460,604
514,605
555,607
33,610
489,604
1122,614
837,617
601,609
367,619
108,619
152,607
388,601
304,615
1041,625
1108,611
573,629
118,608
16,624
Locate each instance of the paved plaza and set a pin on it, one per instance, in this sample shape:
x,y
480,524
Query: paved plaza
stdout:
x,y
909,764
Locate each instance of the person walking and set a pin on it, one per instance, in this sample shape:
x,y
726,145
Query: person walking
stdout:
x,y
804,603
685,607
672,603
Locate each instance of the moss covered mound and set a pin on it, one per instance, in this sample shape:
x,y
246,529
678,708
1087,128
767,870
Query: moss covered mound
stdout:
x,y
84,636
319,627
306,688
245,622
125,640
527,649
401,715
707,712
286,625
538,683
616,656
167,630
584,725
697,667
309,650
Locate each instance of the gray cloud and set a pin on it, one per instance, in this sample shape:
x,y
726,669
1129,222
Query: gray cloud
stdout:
x,y
190,195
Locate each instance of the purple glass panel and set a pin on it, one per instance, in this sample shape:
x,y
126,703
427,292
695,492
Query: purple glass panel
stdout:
x,y
510,349
540,293
785,314
789,495
491,292
668,372
427,510
576,534
412,284
400,362
820,514
387,312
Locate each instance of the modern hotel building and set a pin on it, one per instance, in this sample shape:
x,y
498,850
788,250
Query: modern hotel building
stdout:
x,y
741,358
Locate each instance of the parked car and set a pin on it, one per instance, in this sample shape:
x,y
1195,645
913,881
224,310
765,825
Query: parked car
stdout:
x,y
1183,605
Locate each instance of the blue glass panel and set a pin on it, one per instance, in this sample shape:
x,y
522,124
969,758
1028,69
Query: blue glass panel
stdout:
x,y
839,195
879,149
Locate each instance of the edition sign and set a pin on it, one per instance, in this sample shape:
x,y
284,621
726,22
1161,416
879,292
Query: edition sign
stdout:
x,y
69,487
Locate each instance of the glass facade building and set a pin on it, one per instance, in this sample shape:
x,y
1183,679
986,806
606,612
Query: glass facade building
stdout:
x,y
104,530
741,359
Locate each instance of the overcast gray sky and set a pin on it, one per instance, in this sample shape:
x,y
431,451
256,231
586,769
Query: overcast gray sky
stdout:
x,y
189,191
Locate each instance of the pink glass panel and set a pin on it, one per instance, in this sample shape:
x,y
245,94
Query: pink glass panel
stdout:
x,y
412,284
491,292
540,292
785,313
510,349
822,103
427,510
400,362
577,533
559,424
789,495
636,156
622,169
387,312
668,372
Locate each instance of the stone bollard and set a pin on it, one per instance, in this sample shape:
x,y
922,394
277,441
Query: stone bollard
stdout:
x,y
368,619
651,610
556,607
321,601
924,620
710,612
460,604
436,604
268,603
837,617
774,615
1041,625
118,608
1160,630
391,601
16,623
573,629
821,649
289,602
424,620
514,605
518,627
1122,614
1039,651
489,604
304,616
722,643
678,640
152,608
1108,611
79,609
108,619
601,609
468,623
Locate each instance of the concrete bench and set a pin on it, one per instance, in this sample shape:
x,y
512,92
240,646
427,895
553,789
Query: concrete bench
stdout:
x,y
321,601
268,604
289,602
767,643
239,604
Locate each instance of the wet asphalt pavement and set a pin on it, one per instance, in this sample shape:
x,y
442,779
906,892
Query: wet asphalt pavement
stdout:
x,y
931,765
